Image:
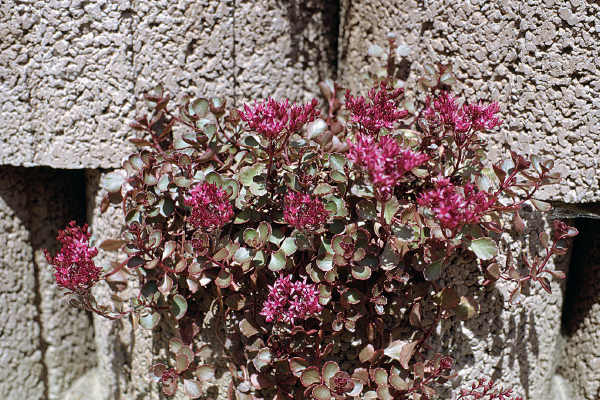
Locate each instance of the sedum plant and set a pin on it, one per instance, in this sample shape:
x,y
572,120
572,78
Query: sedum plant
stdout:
x,y
312,230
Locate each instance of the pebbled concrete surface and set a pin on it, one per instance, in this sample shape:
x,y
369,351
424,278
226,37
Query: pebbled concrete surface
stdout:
x,y
45,344
72,72
539,59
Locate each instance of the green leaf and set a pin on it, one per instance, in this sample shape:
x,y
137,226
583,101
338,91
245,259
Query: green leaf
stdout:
x,y
200,107
541,205
325,262
447,298
178,306
223,279
150,321
166,205
484,248
352,296
467,308
258,188
112,182
322,189
390,208
389,259
249,141
288,246
375,50
243,255
252,237
265,230
278,261
433,270
361,272
336,162
366,210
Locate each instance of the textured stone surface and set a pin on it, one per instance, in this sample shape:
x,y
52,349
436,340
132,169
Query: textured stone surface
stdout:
x,y
539,60
580,359
72,72
46,344
513,345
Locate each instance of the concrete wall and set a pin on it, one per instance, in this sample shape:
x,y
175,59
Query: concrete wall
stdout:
x,y
45,344
539,59
72,74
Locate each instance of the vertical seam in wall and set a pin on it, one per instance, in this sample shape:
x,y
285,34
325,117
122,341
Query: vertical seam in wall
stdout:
x,y
43,345
233,55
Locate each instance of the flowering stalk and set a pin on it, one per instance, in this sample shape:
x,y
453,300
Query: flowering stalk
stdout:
x,y
74,267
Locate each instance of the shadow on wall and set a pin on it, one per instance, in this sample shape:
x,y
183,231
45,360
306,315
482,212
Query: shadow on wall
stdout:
x,y
34,204
583,285
301,15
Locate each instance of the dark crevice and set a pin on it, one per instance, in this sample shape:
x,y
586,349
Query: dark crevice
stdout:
x,y
583,282
42,345
236,86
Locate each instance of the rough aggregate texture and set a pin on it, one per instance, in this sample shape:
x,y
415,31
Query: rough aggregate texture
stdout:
x,y
72,72
516,345
46,345
540,60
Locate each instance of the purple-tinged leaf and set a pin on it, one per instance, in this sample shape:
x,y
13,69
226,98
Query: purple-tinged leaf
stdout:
x,y
383,392
398,383
182,362
329,370
518,222
297,365
192,388
401,351
171,389
205,372
558,274
515,296
259,381
156,371
310,376
321,393
379,376
248,328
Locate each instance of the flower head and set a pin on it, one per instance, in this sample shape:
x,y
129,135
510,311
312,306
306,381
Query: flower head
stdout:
x,y
443,117
385,161
288,301
272,119
302,212
455,206
381,113
210,206
74,268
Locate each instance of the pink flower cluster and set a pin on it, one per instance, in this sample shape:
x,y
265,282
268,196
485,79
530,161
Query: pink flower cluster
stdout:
x,y
74,268
444,117
210,206
302,212
455,206
385,161
271,119
288,301
382,112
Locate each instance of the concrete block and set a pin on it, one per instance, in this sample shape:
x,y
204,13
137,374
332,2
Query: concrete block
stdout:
x,y
46,344
538,60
